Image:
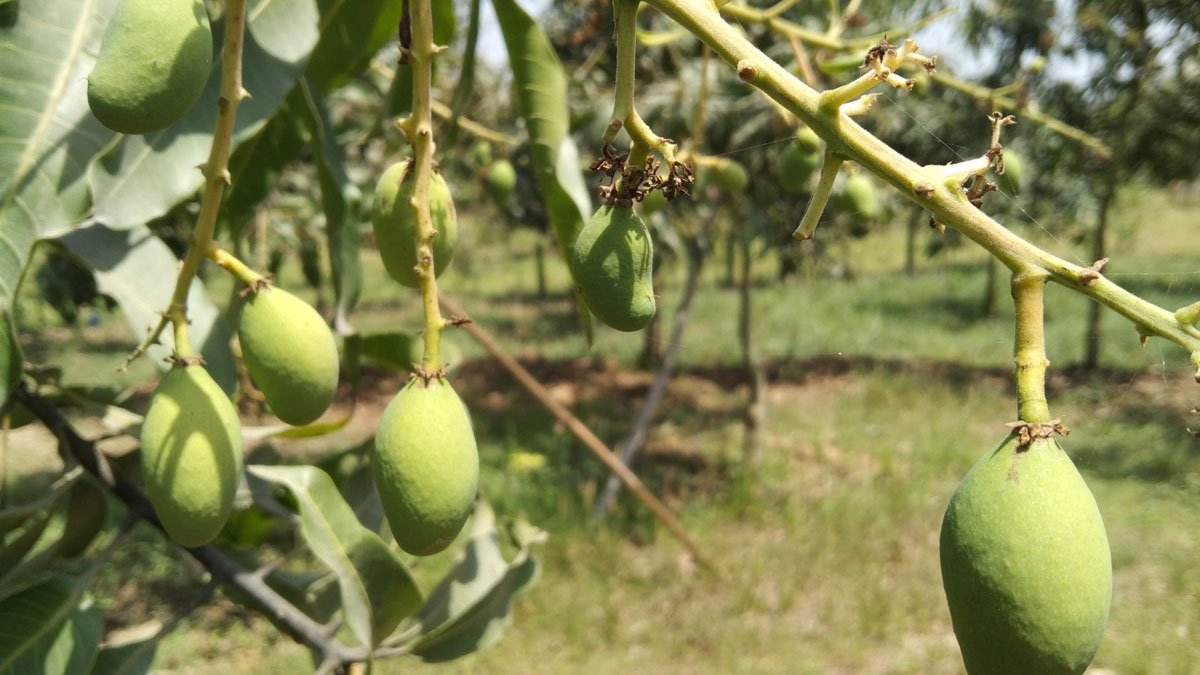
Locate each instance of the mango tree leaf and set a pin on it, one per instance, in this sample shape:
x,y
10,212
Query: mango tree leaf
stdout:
x,y
541,88
143,177
47,136
339,198
131,658
472,605
466,79
256,164
351,33
12,552
45,629
137,270
377,590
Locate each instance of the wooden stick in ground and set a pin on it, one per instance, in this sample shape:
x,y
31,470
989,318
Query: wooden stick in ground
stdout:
x,y
590,441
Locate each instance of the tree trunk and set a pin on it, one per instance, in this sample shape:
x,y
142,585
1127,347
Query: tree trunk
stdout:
x,y
756,409
989,290
539,254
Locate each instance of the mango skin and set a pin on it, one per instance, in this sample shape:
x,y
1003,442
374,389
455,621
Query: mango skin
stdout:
x,y
859,197
154,60
426,465
395,224
730,175
191,455
796,166
612,264
1026,564
291,354
501,180
808,140
1014,167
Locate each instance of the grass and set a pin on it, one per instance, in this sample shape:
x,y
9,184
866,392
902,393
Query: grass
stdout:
x,y
829,553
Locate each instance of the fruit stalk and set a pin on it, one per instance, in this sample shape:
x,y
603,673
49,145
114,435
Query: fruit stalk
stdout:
x,y
922,184
420,125
216,177
624,114
1029,349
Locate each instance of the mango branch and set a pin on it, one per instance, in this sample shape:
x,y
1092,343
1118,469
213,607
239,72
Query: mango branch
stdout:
x,y
924,185
216,177
419,128
580,430
1029,347
624,115
830,40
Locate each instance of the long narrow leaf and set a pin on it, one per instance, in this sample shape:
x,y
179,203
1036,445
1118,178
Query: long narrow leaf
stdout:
x,y
377,590
541,87
31,621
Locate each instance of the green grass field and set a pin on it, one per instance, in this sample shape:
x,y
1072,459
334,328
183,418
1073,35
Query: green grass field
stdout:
x,y
886,388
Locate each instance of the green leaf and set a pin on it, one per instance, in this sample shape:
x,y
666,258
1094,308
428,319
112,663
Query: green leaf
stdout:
x,y
256,164
10,358
143,177
472,605
131,658
124,261
44,628
12,552
339,197
351,32
541,87
466,80
47,133
377,590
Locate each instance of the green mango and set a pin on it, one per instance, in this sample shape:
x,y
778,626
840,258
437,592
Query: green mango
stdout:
x,y
1014,167
808,140
653,201
191,455
87,512
483,153
154,60
1025,564
395,224
291,354
501,180
796,167
730,175
612,264
858,197
426,465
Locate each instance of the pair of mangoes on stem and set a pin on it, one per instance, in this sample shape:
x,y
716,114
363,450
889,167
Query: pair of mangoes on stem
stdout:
x,y
425,463
191,435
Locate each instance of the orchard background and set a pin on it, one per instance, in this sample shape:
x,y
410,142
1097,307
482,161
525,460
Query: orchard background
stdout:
x,y
803,408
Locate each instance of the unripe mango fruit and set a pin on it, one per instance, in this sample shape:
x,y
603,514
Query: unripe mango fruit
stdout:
x,y
612,264
1010,180
1025,564
808,140
191,455
395,223
653,201
291,354
730,175
858,197
796,166
501,180
426,465
87,512
154,60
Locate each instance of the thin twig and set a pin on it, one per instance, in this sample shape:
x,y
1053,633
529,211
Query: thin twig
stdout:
x,y
581,431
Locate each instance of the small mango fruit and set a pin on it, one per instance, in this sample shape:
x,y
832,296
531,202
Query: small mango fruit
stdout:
x,y
1014,167
426,465
858,197
191,455
730,175
1025,563
808,140
154,60
291,354
653,201
395,223
612,264
501,180
796,166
